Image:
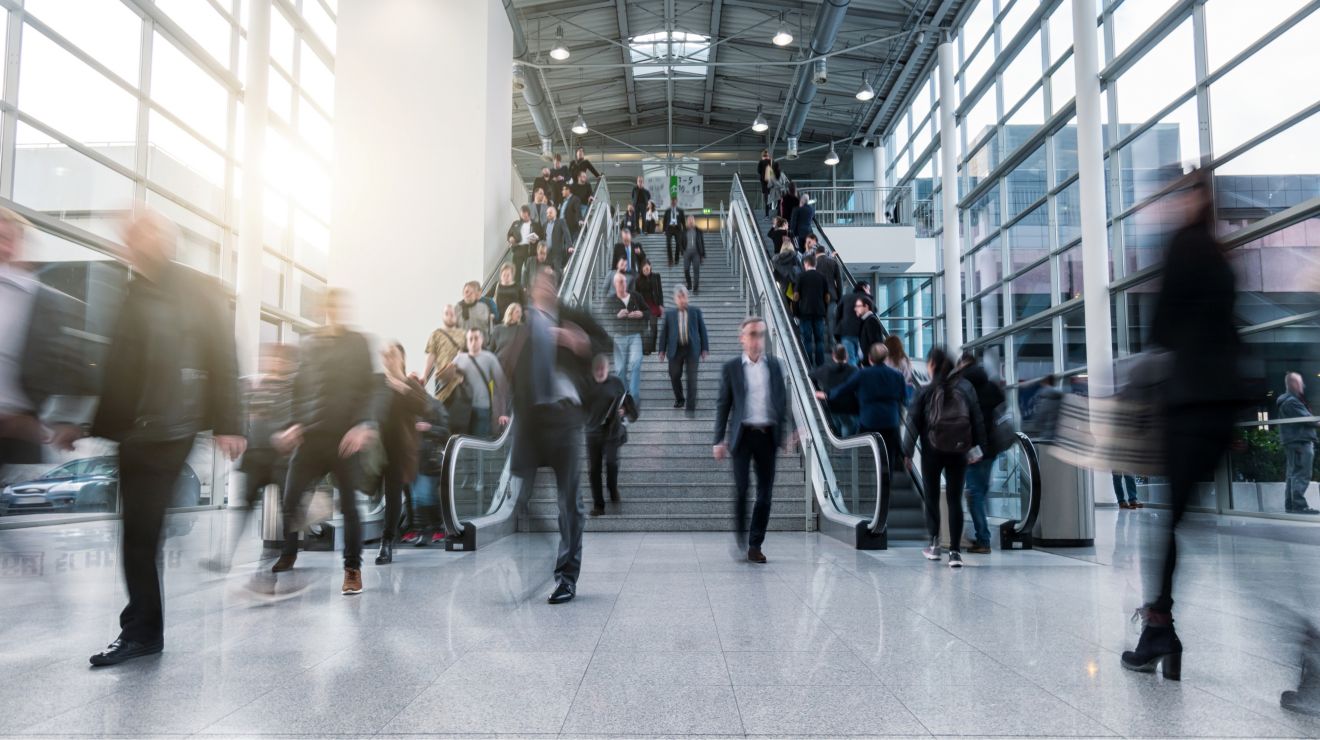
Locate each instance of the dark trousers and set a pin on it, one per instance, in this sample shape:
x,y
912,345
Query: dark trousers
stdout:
x,y
392,481
813,339
954,467
685,359
1122,484
692,271
1195,439
602,453
148,473
672,244
554,434
260,468
317,456
754,446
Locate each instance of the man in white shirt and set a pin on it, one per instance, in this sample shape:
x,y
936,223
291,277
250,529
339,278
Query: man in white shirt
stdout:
x,y
751,423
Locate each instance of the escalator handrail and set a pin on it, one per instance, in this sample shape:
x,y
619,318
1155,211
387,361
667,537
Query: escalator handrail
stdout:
x,y
576,273
745,240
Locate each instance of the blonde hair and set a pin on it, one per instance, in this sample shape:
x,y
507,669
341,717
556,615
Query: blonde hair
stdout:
x,y
508,313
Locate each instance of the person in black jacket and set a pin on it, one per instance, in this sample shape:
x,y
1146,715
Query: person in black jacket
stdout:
x,y
508,291
580,165
800,224
433,425
989,396
523,235
640,197
401,400
870,331
630,251
605,431
552,359
650,288
694,253
831,375
674,220
938,456
778,230
1194,321
813,300
334,395
171,372
761,167
848,323
572,209
559,177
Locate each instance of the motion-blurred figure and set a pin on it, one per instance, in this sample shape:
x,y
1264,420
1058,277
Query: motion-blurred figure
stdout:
x,y
334,419
551,370
171,372
403,402
1194,321
1298,444
268,413
42,380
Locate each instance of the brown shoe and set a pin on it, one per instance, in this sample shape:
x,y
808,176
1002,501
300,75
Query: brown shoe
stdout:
x,y
979,549
352,581
284,563
754,554
1124,505
1136,505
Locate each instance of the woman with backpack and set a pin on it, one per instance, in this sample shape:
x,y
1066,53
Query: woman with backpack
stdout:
x,y
946,418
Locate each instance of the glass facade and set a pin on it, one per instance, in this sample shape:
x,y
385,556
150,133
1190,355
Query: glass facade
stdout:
x,y
1228,85
107,102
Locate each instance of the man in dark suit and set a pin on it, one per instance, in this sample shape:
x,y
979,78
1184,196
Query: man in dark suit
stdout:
x,y
556,240
813,292
870,331
520,237
572,209
629,251
171,372
558,179
849,322
44,384
751,420
800,222
674,220
552,356
683,343
694,253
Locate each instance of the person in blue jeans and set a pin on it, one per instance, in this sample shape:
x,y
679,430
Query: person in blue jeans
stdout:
x,y
813,297
1126,484
626,325
989,397
427,525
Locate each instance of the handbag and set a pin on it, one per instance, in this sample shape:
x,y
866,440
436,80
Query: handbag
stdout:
x,y
459,408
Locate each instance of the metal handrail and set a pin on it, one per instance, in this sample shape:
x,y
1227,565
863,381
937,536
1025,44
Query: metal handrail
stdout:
x,y
819,440
498,517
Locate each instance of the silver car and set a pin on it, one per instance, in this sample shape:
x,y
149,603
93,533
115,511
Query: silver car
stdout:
x,y
87,485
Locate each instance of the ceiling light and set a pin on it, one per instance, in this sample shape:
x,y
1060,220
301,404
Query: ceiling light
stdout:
x,y
782,36
580,125
759,124
560,50
865,92
832,158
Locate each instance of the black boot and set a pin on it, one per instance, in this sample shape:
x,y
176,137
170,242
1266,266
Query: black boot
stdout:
x,y
1158,645
386,555
1306,699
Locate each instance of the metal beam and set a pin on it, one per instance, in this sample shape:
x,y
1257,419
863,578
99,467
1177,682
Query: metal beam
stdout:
x,y
716,9
621,14
910,69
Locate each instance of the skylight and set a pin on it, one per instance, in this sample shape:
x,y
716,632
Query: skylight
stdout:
x,y
657,50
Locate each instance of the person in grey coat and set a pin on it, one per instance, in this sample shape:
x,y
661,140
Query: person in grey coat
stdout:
x,y
1298,441
694,253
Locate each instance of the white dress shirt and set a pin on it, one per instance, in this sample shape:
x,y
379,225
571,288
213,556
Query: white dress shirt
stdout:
x,y
757,376
526,232
18,294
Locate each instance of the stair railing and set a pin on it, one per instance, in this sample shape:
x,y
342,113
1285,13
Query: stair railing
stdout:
x,y
479,495
825,454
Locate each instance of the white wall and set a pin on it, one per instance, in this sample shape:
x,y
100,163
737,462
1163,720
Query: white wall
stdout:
x,y
887,248
423,131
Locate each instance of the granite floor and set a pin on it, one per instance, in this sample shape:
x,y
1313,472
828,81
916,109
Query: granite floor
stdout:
x,y
670,635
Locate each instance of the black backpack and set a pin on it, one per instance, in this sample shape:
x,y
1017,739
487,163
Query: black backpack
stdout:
x,y
948,419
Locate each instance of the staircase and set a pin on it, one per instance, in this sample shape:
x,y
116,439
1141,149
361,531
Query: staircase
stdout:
x,y
668,480
907,519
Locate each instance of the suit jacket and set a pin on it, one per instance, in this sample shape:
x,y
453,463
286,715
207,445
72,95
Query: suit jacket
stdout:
x,y
829,267
731,409
698,341
639,254
640,197
682,219
880,393
800,224
572,212
871,331
515,230
701,241
558,241
171,370
525,458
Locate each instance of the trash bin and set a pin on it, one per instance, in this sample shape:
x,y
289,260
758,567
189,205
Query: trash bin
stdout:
x,y
1067,506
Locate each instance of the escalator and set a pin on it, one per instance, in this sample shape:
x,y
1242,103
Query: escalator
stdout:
x,y
479,496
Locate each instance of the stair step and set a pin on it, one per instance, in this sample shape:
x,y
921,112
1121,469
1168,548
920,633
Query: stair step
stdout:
x,y
662,523
659,507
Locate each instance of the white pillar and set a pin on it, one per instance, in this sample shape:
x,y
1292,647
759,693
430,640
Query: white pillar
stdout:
x,y
879,154
423,158
953,316
247,314
1091,169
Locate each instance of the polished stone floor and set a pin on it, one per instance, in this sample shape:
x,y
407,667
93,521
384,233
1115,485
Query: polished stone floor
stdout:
x,y
669,636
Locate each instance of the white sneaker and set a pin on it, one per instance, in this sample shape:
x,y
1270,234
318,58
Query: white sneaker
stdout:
x,y
931,551
955,560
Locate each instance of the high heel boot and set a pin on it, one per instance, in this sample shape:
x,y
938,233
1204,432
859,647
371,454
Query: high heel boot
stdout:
x,y
386,555
1158,646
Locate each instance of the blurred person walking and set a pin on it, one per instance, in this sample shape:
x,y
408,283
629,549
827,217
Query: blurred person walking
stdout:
x,y
1194,322
170,372
751,424
427,524
402,402
684,343
551,369
1298,441
1126,484
946,418
606,433
334,395
45,389
767,174
267,414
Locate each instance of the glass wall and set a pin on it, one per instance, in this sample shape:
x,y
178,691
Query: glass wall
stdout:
x,y
1229,85
107,102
